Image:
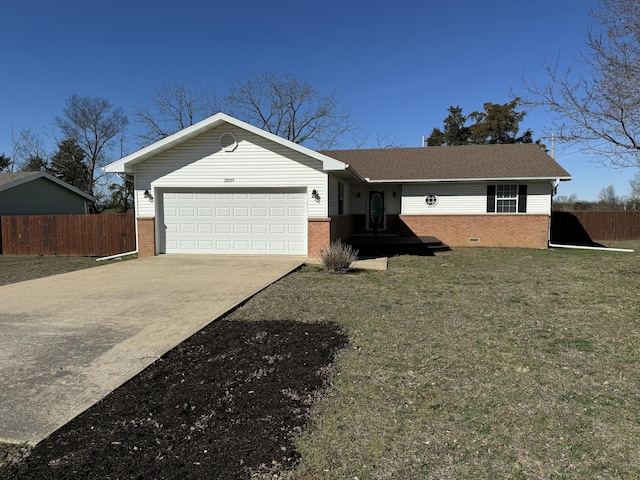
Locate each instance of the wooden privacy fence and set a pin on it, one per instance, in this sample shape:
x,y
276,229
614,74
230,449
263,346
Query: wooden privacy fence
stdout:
x,y
583,227
70,235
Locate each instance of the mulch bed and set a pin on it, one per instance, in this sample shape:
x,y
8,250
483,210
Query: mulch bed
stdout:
x,y
226,403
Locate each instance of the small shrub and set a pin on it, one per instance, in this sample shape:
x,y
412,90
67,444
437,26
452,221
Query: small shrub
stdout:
x,y
338,257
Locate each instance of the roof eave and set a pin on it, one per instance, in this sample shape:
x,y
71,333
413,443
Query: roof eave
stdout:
x,y
478,179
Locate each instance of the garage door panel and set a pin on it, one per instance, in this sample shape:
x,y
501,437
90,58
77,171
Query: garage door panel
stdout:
x,y
240,212
235,222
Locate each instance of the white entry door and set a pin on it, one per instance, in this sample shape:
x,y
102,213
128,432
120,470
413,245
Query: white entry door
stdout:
x,y
235,222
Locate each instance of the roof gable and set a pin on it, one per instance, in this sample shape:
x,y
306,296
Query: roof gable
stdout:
x,y
13,179
453,163
127,164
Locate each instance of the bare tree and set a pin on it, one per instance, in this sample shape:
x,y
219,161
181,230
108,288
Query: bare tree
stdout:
x,y
95,125
173,108
600,109
28,151
634,183
609,199
291,108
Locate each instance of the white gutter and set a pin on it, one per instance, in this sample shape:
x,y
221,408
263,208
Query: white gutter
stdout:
x,y
580,247
478,179
110,257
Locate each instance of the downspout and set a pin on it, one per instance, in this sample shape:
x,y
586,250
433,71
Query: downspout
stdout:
x,y
135,224
554,186
110,257
118,255
580,247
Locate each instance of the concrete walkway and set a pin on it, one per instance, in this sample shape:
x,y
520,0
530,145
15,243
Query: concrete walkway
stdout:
x,y
67,341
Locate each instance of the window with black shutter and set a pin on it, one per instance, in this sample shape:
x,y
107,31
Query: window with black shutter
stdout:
x,y
506,198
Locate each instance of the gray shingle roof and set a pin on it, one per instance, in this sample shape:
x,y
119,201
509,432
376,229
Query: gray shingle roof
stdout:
x,y
10,177
468,162
10,180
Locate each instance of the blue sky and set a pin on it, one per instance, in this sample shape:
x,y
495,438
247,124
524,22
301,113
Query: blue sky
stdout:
x,y
396,66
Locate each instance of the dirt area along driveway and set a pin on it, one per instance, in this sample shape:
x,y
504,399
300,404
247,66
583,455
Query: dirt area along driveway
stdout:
x,y
68,340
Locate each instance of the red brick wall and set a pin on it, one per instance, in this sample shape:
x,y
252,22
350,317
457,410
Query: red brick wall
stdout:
x,y
341,228
319,235
499,230
146,237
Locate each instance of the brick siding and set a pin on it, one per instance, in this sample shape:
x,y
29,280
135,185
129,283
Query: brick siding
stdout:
x,y
499,230
146,237
341,228
319,235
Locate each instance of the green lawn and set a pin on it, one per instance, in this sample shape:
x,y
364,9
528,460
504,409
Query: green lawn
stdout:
x,y
475,363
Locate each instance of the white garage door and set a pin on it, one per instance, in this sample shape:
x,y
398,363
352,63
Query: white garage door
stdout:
x,y
236,222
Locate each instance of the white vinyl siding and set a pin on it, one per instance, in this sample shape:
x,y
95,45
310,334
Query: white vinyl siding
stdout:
x,y
393,203
360,205
334,197
255,163
467,198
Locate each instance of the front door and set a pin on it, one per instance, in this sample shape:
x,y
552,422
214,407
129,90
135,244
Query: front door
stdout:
x,y
376,217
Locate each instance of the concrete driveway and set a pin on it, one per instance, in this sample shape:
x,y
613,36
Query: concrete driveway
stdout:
x,y
67,341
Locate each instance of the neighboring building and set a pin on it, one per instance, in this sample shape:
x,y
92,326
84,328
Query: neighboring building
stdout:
x,y
224,186
38,193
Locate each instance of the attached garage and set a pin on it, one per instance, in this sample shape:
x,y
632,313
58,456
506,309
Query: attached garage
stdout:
x,y
235,221
223,186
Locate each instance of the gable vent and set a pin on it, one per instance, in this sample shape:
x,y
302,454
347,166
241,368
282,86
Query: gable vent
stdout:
x,y
228,142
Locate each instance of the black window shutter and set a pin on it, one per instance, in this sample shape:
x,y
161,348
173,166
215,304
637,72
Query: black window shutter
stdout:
x,y
522,198
491,198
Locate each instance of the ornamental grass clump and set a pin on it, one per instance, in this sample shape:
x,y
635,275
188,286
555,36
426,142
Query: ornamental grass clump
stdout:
x,y
338,257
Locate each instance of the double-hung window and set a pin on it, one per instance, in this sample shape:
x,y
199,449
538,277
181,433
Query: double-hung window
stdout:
x,y
507,198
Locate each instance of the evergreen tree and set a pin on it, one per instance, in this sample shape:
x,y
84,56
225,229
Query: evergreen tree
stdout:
x,y
5,163
69,164
454,133
496,124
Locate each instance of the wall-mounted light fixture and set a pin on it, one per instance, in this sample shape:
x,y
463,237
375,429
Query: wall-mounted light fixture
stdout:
x,y
147,194
315,195
394,194
358,195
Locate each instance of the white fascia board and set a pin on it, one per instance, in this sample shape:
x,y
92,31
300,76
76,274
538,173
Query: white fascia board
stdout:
x,y
451,180
126,164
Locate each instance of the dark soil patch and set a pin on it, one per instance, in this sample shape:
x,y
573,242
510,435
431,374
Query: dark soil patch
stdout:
x,y
225,403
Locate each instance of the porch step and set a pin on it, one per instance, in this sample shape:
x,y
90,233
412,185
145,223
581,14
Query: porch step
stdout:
x,y
397,245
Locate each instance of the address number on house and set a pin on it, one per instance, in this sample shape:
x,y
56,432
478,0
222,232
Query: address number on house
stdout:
x,y
229,180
